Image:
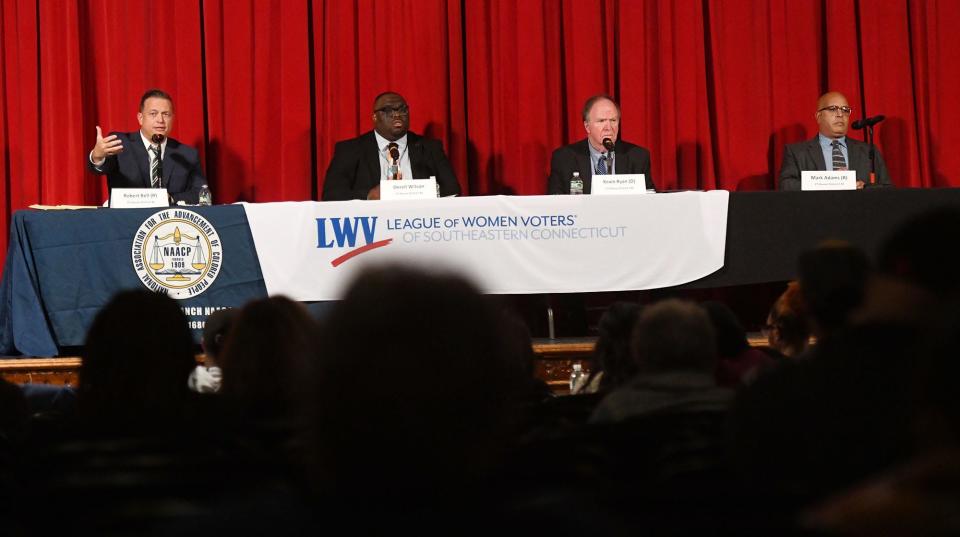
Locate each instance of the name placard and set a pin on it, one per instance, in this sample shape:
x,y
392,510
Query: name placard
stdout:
x,y
625,183
138,198
813,180
409,189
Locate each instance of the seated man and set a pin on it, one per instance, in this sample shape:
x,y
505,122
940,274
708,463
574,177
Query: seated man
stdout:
x,y
149,158
360,163
601,120
831,149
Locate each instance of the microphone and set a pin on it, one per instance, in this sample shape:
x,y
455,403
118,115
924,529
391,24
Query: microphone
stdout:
x,y
157,138
393,171
608,143
868,122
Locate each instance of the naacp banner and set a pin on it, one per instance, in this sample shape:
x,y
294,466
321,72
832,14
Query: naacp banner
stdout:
x,y
506,244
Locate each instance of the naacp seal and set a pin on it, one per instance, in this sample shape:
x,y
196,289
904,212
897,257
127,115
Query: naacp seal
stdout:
x,y
177,252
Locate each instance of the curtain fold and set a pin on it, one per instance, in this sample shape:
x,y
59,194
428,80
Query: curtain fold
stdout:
x,y
265,88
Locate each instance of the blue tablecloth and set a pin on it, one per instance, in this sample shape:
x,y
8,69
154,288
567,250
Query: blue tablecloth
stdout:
x,y
63,266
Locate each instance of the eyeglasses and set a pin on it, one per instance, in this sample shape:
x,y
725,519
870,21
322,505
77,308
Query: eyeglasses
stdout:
x,y
401,110
834,109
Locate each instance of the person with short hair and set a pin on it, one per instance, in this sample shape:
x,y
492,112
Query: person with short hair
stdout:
x,y
589,157
831,149
359,164
149,158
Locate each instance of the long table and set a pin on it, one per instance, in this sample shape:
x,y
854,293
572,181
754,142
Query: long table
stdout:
x,y
62,267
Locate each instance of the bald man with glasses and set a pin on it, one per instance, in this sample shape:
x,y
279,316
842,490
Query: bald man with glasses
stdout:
x,y
831,149
389,151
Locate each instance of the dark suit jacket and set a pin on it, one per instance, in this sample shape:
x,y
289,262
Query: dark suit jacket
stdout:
x,y
180,165
576,158
355,167
808,156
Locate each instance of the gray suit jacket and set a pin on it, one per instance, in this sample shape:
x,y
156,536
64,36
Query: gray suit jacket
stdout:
x,y
808,156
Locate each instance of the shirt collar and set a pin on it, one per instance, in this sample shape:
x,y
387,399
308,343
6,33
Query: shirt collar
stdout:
x,y
148,143
382,142
594,152
827,142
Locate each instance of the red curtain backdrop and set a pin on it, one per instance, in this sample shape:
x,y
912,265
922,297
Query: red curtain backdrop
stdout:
x,y
264,88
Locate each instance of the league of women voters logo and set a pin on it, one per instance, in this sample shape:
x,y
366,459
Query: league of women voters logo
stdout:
x,y
344,232
177,252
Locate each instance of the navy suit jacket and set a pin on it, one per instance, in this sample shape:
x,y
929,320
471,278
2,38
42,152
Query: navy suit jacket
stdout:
x,y
355,167
808,156
576,158
180,166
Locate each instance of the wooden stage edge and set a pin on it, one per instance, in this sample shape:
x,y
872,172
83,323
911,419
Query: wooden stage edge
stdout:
x,y
554,360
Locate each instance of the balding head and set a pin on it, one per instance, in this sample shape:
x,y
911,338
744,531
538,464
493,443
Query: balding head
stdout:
x,y
833,114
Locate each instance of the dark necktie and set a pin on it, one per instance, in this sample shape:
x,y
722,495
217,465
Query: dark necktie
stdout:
x,y
602,165
155,167
839,163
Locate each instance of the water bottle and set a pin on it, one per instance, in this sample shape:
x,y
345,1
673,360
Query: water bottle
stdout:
x,y
205,197
576,184
576,375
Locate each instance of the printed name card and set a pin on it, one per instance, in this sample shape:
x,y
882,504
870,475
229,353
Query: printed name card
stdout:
x,y
813,180
409,189
626,183
137,198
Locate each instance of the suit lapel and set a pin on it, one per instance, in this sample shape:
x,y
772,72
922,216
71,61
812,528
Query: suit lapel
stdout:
x,y
370,156
141,157
415,154
166,164
583,165
621,159
857,156
815,153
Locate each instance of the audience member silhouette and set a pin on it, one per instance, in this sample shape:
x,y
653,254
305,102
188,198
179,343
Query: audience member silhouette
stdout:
x,y
206,377
674,349
787,328
738,363
832,278
411,396
613,364
136,360
266,359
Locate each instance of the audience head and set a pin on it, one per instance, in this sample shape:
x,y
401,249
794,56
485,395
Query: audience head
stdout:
x,y
412,386
731,338
787,329
832,280
266,358
674,335
925,251
215,333
136,360
612,351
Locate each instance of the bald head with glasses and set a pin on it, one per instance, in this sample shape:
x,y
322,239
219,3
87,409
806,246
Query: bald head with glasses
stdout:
x,y
833,114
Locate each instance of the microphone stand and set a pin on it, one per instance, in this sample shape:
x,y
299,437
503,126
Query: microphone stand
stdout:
x,y
873,156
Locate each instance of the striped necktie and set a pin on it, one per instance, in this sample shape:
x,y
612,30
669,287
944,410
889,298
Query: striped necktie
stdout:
x,y
155,172
602,165
839,163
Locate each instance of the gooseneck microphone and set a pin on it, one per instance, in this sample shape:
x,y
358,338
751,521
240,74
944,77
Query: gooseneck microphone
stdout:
x,y
157,138
868,122
608,143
